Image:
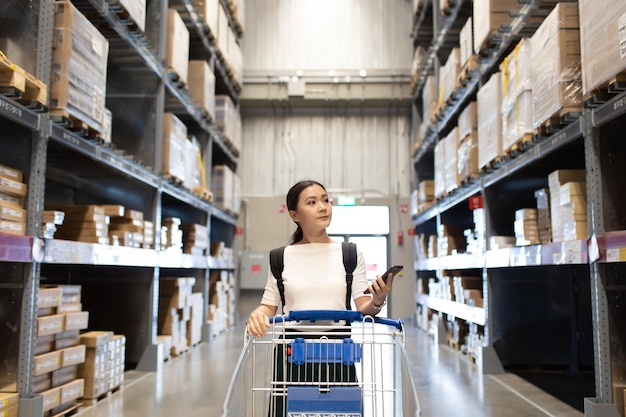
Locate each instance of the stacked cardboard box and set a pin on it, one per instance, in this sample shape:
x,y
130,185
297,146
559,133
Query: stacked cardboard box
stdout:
x,y
601,41
8,404
489,99
466,42
573,199
228,120
58,351
556,64
12,191
421,246
448,77
429,99
451,239
467,154
526,227
517,105
425,194
555,180
51,219
202,86
173,235
175,309
148,234
126,225
79,67
222,302
543,215
103,370
451,144
174,146
84,223
194,325
195,239
177,45
223,188
476,237
166,341
440,169
468,290
488,16
433,247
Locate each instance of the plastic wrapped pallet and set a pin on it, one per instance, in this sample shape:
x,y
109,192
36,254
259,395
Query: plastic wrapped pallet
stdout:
x,y
488,16
556,64
174,141
79,67
202,85
517,110
451,143
177,50
489,98
440,168
602,29
222,186
468,120
467,157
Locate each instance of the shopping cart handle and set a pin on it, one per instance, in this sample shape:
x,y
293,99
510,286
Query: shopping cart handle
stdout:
x,y
333,315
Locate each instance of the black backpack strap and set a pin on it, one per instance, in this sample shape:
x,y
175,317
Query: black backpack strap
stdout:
x,y
277,265
349,263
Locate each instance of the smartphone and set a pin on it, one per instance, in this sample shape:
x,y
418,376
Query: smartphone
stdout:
x,y
391,271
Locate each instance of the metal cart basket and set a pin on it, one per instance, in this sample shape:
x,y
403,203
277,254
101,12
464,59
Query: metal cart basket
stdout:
x,y
324,363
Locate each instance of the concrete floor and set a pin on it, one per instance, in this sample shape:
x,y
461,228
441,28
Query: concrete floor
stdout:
x,y
195,385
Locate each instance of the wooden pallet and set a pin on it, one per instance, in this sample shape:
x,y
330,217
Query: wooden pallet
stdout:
x,y
91,401
175,78
521,145
560,119
75,408
470,179
118,8
454,344
469,71
15,82
73,123
605,91
203,193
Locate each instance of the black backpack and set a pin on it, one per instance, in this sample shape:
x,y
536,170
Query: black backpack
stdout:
x,y
348,249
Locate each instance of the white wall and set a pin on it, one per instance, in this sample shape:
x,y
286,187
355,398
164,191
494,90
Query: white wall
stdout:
x,y
359,154
327,34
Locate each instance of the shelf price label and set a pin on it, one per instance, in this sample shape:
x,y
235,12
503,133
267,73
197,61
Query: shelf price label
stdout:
x,y
616,255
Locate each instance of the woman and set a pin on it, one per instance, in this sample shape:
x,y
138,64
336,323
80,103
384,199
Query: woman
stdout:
x,y
314,275
314,278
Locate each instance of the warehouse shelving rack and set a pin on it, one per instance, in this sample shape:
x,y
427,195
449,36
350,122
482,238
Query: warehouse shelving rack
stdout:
x,y
589,274
120,284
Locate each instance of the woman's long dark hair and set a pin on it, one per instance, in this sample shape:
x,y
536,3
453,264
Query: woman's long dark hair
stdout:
x,y
293,196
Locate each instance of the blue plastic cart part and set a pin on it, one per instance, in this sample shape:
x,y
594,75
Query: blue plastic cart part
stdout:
x,y
333,315
336,401
300,352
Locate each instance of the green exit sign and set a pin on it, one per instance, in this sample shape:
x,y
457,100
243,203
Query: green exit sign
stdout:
x,y
346,201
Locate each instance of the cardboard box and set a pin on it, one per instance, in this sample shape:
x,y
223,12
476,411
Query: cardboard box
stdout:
x,y
489,97
575,230
202,86
451,143
603,56
8,400
72,355
440,169
466,42
468,120
556,64
76,321
208,10
174,138
562,176
16,201
526,214
448,76
136,10
429,98
467,157
47,362
177,49
426,191
49,297
11,187
51,398
72,391
11,173
50,324
64,375
488,16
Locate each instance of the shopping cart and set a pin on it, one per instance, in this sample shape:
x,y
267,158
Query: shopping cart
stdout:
x,y
359,369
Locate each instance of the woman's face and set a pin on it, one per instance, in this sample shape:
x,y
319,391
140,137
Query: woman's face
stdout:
x,y
314,210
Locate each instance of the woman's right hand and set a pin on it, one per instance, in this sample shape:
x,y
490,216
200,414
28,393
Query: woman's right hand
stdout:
x,y
258,322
